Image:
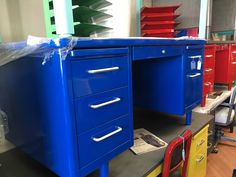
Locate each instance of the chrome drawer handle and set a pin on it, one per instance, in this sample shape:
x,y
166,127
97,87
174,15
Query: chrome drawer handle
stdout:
x,y
103,70
201,142
200,159
234,52
209,56
96,106
234,63
119,129
194,75
208,70
193,57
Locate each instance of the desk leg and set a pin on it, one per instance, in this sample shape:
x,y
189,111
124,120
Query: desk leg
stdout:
x,y
104,170
203,101
188,118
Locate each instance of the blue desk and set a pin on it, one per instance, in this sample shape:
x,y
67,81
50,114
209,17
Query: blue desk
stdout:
x,y
75,115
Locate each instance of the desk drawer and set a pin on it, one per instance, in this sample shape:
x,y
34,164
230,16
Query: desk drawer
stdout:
x,y
207,87
198,154
99,142
95,110
152,52
198,165
233,70
91,76
200,140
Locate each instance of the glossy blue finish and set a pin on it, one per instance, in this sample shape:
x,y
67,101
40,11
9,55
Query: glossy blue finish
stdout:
x,y
46,114
88,118
56,110
37,100
165,81
193,93
85,83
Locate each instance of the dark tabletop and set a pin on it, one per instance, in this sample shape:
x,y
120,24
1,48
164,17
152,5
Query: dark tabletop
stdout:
x,y
17,164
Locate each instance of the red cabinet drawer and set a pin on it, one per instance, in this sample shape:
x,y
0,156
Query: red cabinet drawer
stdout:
x,y
233,52
233,70
207,88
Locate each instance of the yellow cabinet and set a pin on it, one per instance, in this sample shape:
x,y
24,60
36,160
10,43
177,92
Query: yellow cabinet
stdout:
x,y
198,154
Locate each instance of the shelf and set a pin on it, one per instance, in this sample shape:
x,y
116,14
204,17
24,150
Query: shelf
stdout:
x,y
87,15
160,9
86,29
159,17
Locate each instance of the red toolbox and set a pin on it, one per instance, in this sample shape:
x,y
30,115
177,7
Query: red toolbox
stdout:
x,y
209,71
158,21
225,66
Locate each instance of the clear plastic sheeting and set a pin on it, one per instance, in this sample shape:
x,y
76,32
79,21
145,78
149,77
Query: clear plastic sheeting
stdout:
x,y
36,47
4,129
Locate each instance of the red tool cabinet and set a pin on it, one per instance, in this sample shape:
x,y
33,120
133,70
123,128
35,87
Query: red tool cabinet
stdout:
x,y
225,66
158,21
209,71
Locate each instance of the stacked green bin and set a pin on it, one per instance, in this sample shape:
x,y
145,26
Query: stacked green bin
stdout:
x,y
86,14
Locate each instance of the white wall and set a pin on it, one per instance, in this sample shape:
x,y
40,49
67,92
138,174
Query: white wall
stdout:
x,y
20,18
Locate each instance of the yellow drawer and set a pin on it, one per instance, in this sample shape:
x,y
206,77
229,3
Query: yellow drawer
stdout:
x,y
197,165
200,140
198,154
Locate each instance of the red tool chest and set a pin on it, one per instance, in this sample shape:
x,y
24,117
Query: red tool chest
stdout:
x,y
225,66
158,21
209,71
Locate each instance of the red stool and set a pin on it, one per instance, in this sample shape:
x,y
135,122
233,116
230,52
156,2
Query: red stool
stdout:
x,y
173,157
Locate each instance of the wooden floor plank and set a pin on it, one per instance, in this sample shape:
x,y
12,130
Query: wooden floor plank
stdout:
x,y
223,163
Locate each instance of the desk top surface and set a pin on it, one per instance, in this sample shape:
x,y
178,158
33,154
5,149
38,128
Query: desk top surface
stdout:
x,y
211,104
135,41
14,163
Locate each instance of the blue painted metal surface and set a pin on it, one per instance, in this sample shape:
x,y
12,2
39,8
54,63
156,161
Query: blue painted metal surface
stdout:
x,y
46,116
168,79
74,117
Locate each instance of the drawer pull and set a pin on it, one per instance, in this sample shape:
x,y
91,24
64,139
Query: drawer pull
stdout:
x,y
208,70
194,75
234,63
209,56
96,106
193,57
207,84
201,142
118,129
103,70
234,52
200,159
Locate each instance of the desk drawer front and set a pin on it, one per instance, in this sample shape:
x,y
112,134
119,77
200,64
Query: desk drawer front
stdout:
x,y
92,76
233,70
152,52
101,141
95,110
198,164
200,140
198,154
193,81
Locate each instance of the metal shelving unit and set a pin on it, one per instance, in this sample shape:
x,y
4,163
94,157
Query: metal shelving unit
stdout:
x,y
88,17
